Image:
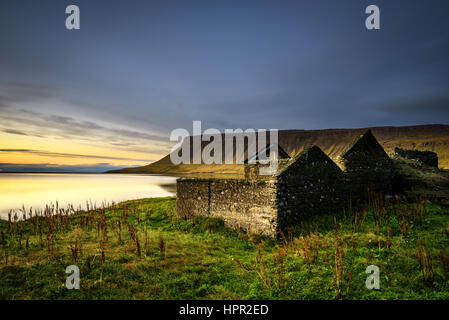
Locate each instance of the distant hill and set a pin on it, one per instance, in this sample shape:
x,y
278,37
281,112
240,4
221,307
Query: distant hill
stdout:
x,y
331,141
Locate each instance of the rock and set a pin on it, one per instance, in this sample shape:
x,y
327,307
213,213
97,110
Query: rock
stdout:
x,y
428,158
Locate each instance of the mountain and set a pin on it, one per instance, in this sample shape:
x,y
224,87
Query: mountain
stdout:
x,y
433,137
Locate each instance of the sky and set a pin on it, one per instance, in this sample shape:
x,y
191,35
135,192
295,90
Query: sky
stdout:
x,y
108,95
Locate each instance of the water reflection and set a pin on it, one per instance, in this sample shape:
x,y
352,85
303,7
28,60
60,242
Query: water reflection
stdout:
x,y
38,189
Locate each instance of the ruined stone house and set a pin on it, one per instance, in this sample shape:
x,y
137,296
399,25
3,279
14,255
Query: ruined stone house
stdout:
x,y
306,185
427,158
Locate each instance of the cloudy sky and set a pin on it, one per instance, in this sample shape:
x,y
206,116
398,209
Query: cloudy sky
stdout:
x,y
109,94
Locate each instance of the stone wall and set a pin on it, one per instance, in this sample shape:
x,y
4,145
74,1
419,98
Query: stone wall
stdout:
x,y
312,185
308,185
367,168
427,158
250,205
247,204
193,197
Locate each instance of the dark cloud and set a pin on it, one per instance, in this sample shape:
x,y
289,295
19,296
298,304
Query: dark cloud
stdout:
x,y
437,106
69,155
11,131
153,66
18,98
35,123
68,126
49,168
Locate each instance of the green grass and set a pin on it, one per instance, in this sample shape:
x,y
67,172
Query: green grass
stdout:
x,y
205,260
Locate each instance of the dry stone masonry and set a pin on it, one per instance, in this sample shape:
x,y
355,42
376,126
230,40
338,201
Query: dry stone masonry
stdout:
x,y
306,185
428,158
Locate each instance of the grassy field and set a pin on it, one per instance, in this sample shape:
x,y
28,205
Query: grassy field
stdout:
x,y
141,250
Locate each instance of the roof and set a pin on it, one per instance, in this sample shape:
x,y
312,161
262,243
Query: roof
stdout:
x,y
364,145
310,155
281,153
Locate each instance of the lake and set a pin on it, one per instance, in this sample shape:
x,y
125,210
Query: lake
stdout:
x,y
38,189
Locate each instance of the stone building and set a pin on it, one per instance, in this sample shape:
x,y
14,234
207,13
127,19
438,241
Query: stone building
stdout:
x,y
306,185
367,167
428,158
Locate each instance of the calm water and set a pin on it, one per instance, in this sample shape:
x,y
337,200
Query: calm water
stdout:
x,y
38,189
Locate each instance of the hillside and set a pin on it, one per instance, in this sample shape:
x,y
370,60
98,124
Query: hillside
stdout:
x,y
331,141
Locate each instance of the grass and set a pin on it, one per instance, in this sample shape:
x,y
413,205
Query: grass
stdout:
x,y
141,250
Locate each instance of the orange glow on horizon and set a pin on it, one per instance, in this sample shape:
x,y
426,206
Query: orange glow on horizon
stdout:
x,y
68,152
